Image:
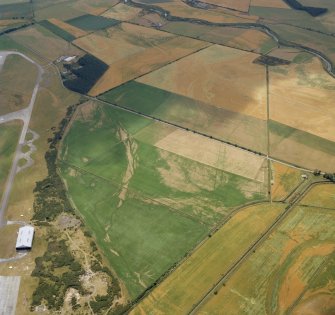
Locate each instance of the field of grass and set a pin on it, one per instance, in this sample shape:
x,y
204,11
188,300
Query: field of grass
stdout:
x,y
48,45
251,40
132,51
301,148
8,236
144,203
17,10
10,133
217,122
322,43
284,180
57,30
272,280
74,31
197,275
122,12
321,196
17,80
229,79
90,22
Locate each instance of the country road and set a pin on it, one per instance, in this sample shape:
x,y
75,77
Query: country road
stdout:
x,y
24,115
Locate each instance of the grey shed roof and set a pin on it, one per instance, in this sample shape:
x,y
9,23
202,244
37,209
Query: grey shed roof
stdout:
x,y
25,237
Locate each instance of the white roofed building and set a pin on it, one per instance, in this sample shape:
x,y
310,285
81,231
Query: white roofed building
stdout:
x,y
25,237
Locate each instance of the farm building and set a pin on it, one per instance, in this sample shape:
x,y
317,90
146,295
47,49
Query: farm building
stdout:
x,y
25,237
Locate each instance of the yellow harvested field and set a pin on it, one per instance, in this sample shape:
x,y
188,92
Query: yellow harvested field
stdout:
x,y
284,180
285,53
274,278
229,79
122,12
132,51
249,39
322,195
219,155
49,45
121,41
76,32
195,276
302,97
269,4
239,5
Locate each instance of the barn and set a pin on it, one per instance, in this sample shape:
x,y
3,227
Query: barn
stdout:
x,y
25,237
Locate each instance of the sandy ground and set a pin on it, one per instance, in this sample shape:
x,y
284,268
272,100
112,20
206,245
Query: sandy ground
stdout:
x,y
229,79
77,32
217,155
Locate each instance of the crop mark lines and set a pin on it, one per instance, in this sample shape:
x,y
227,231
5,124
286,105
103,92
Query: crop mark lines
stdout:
x,y
135,193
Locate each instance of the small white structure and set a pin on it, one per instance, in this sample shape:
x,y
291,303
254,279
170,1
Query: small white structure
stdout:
x,y
70,59
25,237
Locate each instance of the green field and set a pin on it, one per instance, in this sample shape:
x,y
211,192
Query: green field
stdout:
x,y
143,203
217,122
206,266
301,148
90,22
229,36
16,10
57,31
17,81
10,133
289,262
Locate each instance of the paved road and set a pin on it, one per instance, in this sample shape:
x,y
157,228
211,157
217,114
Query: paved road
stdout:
x,y
24,115
9,290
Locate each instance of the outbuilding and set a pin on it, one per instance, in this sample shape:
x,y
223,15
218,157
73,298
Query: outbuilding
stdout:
x,y
25,237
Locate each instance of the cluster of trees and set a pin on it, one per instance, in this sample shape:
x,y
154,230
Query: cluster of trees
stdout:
x,y
50,193
84,74
53,284
271,61
330,176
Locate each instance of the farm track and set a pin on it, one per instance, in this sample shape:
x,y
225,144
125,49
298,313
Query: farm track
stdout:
x,y
327,64
220,283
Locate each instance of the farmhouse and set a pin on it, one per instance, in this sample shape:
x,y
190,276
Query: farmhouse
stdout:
x,y
25,237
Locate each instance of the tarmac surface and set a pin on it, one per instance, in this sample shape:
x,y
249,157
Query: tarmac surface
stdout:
x,y
9,289
24,115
